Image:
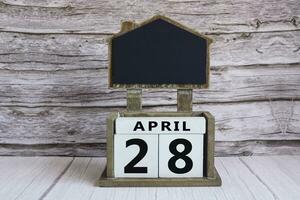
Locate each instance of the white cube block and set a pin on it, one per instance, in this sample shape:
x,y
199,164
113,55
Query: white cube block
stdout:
x,y
136,156
181,155
160,125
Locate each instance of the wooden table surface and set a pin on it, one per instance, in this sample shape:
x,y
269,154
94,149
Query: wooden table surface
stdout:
x,y
276,177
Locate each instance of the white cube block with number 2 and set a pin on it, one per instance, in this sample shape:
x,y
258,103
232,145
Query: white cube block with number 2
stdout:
x,y
136,156
181,155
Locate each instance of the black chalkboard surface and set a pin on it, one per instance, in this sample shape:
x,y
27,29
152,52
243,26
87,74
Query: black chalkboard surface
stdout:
x,y
158,54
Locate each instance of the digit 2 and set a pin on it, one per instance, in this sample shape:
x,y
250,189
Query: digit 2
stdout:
x,y
130,167
180,155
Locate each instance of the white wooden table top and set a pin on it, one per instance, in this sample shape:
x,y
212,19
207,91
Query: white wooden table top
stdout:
x,y
276,177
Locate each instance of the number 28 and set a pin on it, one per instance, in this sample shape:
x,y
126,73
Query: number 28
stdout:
x,y
143,148
153,156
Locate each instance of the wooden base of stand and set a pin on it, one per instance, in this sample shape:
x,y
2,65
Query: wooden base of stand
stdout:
x,y
104,181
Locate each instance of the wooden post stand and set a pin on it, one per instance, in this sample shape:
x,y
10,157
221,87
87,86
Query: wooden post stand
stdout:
x,y
185,100
134,100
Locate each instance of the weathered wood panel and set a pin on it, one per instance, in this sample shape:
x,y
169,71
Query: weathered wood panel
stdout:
x,y
257,147
65,51
59,149
79,16
223,148
89,87
234,122
53,73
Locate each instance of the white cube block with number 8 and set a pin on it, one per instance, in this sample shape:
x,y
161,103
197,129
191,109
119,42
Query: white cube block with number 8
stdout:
x,y
136,156
181,155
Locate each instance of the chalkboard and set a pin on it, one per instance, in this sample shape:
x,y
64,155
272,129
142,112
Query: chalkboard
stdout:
x,y
159,54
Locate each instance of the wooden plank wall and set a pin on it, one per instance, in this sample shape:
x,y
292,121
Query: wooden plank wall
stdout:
x,y
54,96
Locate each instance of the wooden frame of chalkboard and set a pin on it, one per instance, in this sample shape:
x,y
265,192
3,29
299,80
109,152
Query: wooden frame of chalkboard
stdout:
x,y
131,26
210,178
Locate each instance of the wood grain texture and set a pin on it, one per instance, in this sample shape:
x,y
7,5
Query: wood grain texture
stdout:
x,y
78,16
54,52
28,178
61,149
53,73
274,120
250,178
241,180
89,87
237,121
79,180
277,178
223,148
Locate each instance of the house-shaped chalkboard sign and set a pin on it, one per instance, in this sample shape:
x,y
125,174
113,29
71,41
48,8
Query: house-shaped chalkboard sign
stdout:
x,y
159,53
